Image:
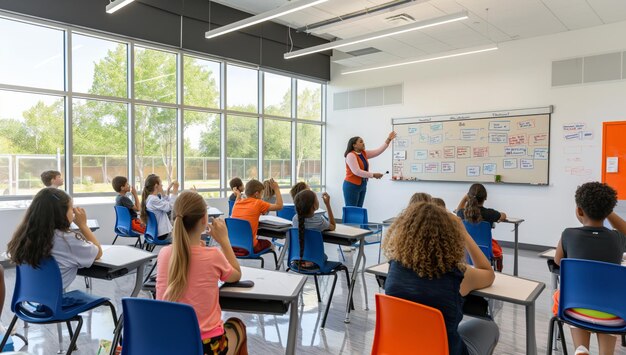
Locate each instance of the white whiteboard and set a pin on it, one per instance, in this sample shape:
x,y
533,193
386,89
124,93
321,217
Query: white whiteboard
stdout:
x,y
475,150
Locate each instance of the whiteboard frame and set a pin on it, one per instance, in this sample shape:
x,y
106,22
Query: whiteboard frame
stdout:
x,y
548,110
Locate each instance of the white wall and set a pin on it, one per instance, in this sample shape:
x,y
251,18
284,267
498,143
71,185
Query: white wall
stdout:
x,y
518,75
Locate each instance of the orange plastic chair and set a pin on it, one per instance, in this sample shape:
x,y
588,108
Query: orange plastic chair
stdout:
x,y
405,327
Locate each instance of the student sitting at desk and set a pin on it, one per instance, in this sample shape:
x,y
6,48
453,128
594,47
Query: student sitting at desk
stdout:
x,y
52,178
426,247
236,186
153,200
594,203
188,272
269,194
306,204
301,186
121,186
45,231
472,210
252,207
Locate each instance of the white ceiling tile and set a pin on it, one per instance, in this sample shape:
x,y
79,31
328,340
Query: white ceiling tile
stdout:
x,y
609,10
574,14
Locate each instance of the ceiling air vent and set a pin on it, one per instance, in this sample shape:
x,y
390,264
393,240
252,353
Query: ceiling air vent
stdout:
x,y
400,19
364,51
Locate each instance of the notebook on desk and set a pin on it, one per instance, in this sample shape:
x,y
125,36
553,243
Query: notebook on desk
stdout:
x,y
274,221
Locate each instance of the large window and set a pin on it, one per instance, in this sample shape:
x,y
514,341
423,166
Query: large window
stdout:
x,y
277,95
31,55
277,151
100,144
202,150
182,116
155,143
99,66
242,141
32,137
242,89
155,75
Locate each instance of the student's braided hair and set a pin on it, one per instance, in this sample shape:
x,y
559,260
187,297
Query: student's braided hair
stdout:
x,y
304,203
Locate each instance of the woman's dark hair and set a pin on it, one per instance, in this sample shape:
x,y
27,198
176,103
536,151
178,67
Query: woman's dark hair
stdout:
x,y
304,203
352,141
148,188
476,195
33,239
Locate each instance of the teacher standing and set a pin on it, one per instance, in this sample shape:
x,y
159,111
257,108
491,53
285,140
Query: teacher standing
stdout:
x,y
357,169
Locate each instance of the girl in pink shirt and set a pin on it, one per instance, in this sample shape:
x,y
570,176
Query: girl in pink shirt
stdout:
x,y
188,272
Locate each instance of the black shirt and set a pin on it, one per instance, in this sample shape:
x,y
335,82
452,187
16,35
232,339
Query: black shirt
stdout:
x,y
441,293
593,243
126,202
489,214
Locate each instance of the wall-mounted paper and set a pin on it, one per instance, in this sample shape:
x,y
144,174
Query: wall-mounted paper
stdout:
x,y
399,155
611,164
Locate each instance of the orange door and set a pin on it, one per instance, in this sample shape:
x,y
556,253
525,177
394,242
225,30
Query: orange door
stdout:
x,y
614,146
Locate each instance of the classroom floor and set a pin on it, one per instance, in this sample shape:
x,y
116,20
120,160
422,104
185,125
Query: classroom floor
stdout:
x,y
267,334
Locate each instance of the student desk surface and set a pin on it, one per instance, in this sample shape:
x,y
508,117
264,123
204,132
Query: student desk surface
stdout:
x,y
273,292
342,235
505,288
214,212
91,223
117,261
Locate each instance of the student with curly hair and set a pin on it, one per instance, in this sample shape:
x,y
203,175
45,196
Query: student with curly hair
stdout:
x,y
594,203
426,247
472,210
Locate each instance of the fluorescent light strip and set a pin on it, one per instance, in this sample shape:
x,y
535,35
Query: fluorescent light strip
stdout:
x,y
380,34
116,5
451,55
265,16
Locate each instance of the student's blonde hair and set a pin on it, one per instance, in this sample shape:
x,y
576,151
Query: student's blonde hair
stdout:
x,y
420,197
268,191
189,208
425,239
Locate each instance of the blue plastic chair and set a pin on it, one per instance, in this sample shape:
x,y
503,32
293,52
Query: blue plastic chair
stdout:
x,y
240,235
592,285
357,216
38,298
481,233
287,212
314,252
123,226
140,317
151,239
231,204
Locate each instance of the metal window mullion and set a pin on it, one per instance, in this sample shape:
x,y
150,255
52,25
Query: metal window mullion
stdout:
x,y
294,129
69,174
223,128
323,138
180,122
260,124
130,112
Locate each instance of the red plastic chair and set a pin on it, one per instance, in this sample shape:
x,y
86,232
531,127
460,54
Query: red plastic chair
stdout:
x,y
402,325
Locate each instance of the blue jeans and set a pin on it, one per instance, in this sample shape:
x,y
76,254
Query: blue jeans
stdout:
x,y
354,195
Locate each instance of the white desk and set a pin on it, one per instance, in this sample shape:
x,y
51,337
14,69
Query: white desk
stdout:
x,y
117,261
342,235
214,212
505,288
273,293
91,223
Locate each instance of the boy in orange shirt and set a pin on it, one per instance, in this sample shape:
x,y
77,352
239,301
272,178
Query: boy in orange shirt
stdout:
x,y
252,207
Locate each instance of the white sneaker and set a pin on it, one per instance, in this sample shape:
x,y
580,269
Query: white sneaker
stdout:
x,y
581,350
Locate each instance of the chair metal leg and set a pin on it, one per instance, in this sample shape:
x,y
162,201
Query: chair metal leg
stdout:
x,y
150,273
69,330
317,289
114,239
262,262
8,333
60,334
550,335
343,257
367,307
330,299
348,281
623,340
75,336
275,259
563,344
113,311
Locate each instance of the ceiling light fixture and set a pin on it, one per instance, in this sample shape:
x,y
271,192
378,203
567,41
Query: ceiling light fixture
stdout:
x,y
380,34
116,5
451,54
265,16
